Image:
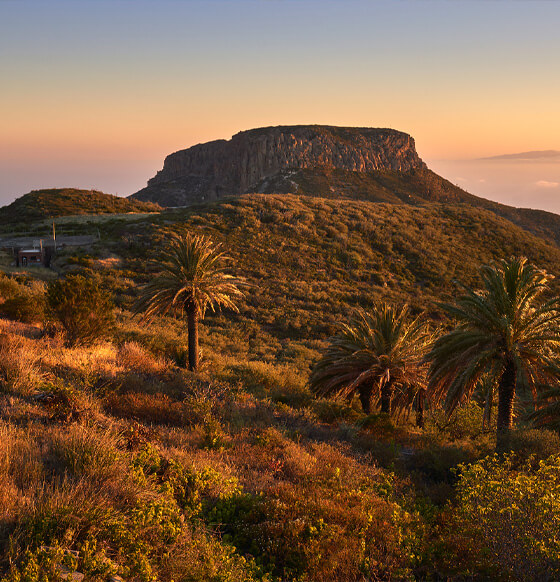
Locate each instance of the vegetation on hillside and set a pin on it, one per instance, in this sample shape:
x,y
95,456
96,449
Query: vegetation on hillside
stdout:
x,y
191,279
55,202
418,186
378,354
117,460
81,308
309,261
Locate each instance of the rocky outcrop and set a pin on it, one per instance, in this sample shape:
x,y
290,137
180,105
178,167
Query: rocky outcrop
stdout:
x,y
219,168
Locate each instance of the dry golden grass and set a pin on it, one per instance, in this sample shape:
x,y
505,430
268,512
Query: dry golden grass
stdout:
x,y
267,470
21,469
17,328
41,466
99,359
20,369
111,262
133,357
147,408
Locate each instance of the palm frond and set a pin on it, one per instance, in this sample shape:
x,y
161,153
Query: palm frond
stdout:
x,y
381,346
506,321
191,275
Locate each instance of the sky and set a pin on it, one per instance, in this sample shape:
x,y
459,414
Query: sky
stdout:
x,y
95,93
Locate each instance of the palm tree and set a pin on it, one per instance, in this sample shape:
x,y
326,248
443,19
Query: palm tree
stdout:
x,y
547,414
506,335
191,280
377,354
545,411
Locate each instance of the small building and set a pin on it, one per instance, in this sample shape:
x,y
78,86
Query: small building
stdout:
x,y
29,251
31,258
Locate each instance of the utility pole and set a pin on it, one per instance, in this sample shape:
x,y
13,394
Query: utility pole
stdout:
x,y
54,235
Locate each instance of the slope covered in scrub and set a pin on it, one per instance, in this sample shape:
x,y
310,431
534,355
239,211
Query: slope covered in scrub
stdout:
x,y
55,202
115,460
308,261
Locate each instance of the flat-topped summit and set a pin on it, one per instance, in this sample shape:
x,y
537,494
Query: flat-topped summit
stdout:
x,y
224,167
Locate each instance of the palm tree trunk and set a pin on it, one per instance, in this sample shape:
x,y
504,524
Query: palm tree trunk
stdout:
x,y
192,324
506,393
420,409
386,397
487,414
365,392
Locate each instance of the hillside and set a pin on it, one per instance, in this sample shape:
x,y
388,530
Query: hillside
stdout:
x,y
55,202
115,460
309,261
417,186
379,165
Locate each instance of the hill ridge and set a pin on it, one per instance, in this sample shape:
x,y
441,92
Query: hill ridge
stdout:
x,y
56,202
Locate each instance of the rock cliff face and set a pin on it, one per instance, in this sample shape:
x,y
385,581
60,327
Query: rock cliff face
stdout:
x,y
219,168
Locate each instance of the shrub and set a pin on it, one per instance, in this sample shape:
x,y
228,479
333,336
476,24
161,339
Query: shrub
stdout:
x,y
8,286
263,378
25,303
513,514
83,309
465,422
537,443
179,354
332,411
63,401
45,563
437,464
26,308
139,517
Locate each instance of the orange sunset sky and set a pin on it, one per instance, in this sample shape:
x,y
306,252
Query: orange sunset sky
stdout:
x,y
95,93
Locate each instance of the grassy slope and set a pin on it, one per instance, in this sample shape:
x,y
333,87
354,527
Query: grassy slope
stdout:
x,y
240,472
309,260
415,187
51,203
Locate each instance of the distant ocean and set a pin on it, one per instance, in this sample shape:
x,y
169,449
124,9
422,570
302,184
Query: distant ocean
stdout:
x,y
521,183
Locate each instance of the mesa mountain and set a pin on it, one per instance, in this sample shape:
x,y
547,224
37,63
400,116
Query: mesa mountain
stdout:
x,y
378,165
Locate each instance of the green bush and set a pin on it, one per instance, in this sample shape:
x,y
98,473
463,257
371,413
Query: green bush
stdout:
x,y
150,533
465,422
8,286
263,377
84,310
27,308
537,443
331,411
22,302
513,514
437,464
